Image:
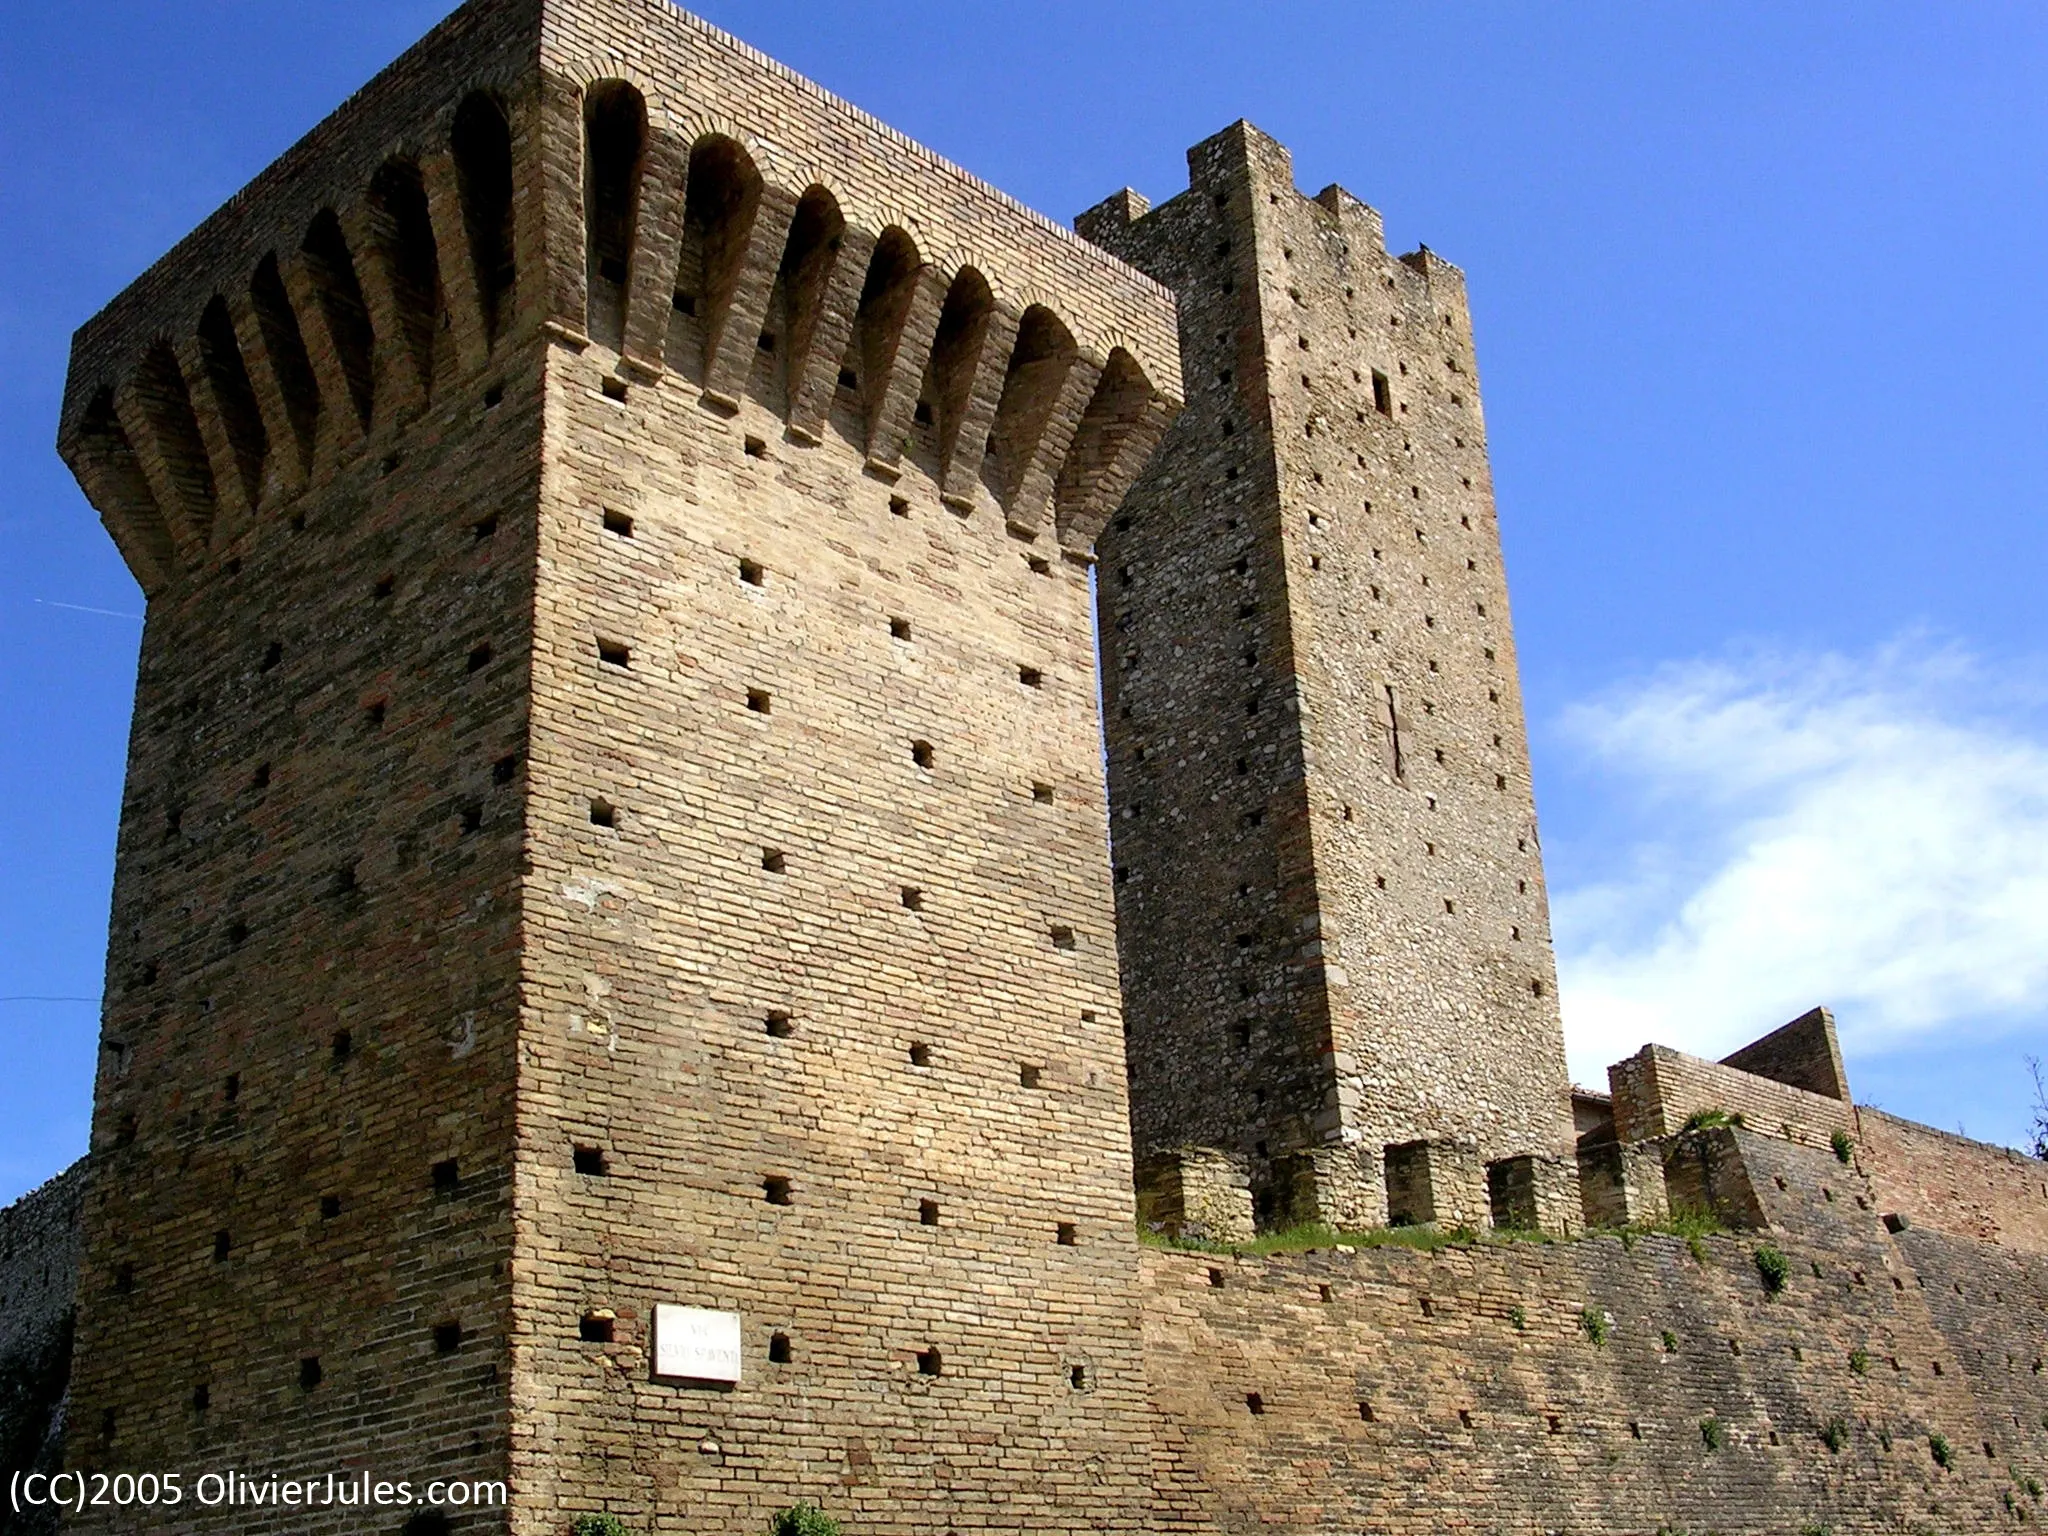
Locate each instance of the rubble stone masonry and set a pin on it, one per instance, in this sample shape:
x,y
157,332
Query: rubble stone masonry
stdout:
x,y
1330,893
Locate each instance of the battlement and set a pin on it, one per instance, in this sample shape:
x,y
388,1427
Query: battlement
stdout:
x,y
1789,1084
1245,156
515,175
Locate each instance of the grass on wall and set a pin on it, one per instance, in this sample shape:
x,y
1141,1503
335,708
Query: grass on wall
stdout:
x,y
1689,1224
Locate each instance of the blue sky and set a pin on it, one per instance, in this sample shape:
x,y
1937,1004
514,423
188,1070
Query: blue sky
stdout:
x,y
1758,293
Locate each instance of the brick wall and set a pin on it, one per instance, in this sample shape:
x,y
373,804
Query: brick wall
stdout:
x,y
1393,1390
1952,1184
848,925
459,1002
312,978
1802,1054
39,1244
1658,1089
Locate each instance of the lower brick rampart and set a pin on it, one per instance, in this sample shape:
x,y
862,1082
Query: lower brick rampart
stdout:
x,y
1395,1390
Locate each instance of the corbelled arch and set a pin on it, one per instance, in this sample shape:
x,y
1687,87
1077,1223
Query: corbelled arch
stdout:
x,y
970,355
1025,445
615,138
281,364
481,160
401,233
800,316
233,397
342,343
1123,423
721,200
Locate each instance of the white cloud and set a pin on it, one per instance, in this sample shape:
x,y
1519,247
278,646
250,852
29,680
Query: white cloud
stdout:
x,y
1866,832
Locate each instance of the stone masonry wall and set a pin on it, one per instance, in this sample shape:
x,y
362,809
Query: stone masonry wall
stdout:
x,y
1432,923
1966,1188
1331,909
1394,1390
1227,1036
39,1245
39,1260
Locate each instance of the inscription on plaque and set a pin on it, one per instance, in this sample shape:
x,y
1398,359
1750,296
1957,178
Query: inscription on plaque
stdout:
x,y
695,1344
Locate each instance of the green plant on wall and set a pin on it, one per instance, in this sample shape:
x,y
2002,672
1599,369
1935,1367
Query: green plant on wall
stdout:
x,y
1670,1342
1845,1149
1710,1119
1712,1435
1594,1323
1772,1268
802,1520
1944,1453
1519,1318
1836,1434
1859,1361
599,1525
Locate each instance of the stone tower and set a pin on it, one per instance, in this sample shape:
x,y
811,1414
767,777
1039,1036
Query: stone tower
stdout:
x,y
614,817
1330,898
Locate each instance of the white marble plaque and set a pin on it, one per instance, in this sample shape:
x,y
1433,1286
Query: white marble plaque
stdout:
x,y
694,1344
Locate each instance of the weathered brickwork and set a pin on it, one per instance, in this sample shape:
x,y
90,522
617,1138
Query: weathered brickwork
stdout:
x,y
1387,1389
834,982
615,816
1803,1054
1331,903
1953,1184
659,735
306,1091
1657,1090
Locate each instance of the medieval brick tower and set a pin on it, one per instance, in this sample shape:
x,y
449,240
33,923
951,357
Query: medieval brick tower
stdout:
x,y
614,814
623,984
1330,899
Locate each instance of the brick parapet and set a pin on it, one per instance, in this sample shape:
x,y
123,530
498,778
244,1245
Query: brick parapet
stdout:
x,y
185,428
1658,1089
1948,1182
1802,1054
406,109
